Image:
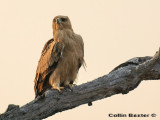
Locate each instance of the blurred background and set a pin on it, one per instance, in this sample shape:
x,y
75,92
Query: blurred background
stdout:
x,y
113,32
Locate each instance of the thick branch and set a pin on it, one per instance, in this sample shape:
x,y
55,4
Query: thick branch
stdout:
x,y
122,79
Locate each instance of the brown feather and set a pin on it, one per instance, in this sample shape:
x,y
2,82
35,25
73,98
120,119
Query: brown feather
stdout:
x,y
50,55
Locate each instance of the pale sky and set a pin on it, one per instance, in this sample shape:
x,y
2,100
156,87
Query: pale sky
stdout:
x,y
113,32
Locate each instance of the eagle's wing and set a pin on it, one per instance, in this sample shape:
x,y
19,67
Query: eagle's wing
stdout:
x,y
50,56
81,47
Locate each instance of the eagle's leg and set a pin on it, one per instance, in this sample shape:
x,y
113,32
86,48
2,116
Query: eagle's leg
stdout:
x,y
68,84
57,88
54,81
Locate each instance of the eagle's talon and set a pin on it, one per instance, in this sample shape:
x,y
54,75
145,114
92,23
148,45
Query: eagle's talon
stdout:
x,y
70,86
58,88
74,85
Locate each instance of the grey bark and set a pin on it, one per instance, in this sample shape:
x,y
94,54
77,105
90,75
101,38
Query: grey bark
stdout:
x,y
122,79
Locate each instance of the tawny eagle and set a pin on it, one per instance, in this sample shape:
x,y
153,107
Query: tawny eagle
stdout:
x,y
60,59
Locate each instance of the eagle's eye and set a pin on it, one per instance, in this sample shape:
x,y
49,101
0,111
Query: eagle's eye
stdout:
x,y
63,19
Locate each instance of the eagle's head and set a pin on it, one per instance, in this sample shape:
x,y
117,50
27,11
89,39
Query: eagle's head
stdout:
x,y
61,22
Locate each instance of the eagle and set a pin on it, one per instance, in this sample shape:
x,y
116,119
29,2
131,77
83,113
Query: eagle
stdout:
x,y
61,58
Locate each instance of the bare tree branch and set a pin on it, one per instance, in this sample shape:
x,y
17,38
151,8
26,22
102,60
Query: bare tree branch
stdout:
x,y
122,79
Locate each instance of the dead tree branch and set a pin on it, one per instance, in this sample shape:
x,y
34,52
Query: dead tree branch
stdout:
x,y
122,79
